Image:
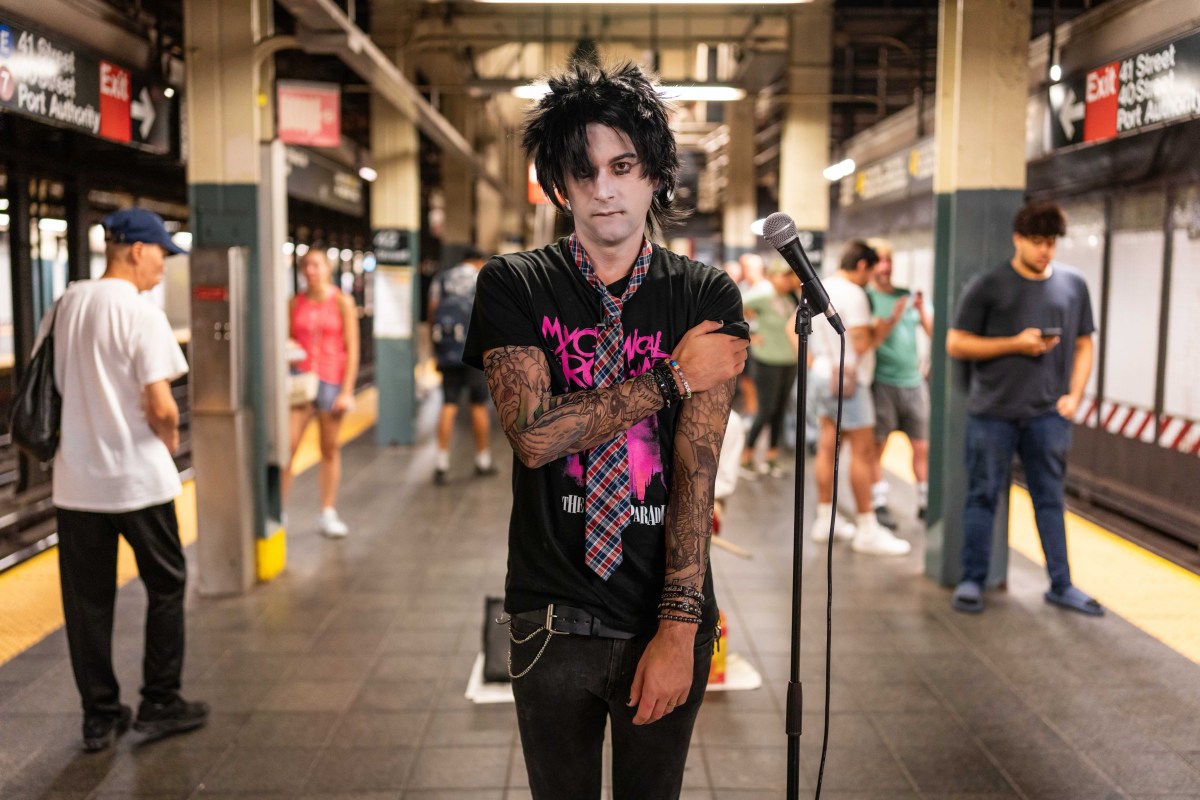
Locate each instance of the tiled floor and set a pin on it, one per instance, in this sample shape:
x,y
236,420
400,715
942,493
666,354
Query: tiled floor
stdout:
x,y
344,678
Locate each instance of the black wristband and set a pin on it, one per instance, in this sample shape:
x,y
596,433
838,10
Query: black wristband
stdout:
x,y
666,383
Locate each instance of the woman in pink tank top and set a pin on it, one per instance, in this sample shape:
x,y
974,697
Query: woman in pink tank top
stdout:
x,y
324,322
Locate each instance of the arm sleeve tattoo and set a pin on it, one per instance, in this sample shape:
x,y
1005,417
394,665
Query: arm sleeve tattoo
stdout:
x,y
698,440
543,427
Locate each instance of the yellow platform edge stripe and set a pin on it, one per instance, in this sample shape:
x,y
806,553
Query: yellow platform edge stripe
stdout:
x,y
1152,593
29,592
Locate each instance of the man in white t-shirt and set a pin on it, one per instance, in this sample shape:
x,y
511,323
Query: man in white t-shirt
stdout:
x,y
115,358
848,295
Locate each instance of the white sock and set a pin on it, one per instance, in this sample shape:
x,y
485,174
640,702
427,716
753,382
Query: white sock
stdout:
x,y
824,512
865,521
922,495
443,460
879,493
483,459
328,511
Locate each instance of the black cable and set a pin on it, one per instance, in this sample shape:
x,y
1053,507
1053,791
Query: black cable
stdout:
x,y
837,459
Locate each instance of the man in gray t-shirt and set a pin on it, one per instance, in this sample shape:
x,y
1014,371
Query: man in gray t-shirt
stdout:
x,y
1026,327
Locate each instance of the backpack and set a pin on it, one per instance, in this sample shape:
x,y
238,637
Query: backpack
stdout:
x,y
36,415
449,330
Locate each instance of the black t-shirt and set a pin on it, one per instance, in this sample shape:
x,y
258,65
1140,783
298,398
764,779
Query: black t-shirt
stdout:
x,y
1004,303
540,299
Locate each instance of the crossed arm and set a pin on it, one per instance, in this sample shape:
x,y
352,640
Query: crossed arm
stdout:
x,y
543,427
663,678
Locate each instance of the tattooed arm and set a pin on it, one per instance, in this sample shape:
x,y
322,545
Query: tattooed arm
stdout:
x,y
543,427
664,673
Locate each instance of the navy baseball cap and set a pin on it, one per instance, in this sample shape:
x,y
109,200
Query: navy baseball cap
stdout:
x,y
131,225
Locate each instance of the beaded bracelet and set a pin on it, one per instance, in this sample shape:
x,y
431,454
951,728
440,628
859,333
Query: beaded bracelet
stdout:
x,y
687,388
668,608
682,605
678,618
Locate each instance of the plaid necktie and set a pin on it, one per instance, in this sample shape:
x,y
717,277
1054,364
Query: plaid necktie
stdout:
x,y
606,476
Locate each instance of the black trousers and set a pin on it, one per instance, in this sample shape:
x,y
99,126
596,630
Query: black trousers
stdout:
x,y
774,383
87,559
579,685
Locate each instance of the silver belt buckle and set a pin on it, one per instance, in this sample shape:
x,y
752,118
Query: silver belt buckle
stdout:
x,y
550,622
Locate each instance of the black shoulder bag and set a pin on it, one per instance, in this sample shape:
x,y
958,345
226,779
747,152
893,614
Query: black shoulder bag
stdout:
x,y
37,406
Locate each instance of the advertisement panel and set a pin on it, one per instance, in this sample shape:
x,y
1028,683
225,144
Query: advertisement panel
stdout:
x,y
309,114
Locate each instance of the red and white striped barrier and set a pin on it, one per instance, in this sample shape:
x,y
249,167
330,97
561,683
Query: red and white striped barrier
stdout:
x,y
1132,422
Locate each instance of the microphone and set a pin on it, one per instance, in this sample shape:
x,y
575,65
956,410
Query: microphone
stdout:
x,y
780,230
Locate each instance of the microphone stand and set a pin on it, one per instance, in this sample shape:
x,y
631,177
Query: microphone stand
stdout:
x,y
795,694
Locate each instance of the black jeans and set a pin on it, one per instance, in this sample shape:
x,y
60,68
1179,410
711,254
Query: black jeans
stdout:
x,y
87,559
774,383
566,700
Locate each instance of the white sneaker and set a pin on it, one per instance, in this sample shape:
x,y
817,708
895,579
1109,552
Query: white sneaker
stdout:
x,y
877,540
843,529
331,525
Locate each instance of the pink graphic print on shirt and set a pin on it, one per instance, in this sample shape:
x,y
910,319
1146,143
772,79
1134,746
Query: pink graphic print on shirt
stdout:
x,y
575,351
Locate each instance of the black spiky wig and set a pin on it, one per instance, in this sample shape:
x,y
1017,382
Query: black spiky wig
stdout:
x,y
623,98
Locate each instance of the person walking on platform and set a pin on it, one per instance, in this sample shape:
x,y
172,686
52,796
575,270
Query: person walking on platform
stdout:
x,y
450,300
772,306
115,358
898,389
1026,329
324,322
848,294
613,384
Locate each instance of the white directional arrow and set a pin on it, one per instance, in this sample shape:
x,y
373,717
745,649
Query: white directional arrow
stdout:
x,y
143,109
1069,113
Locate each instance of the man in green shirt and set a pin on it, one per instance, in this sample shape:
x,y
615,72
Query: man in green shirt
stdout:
x,y
901,396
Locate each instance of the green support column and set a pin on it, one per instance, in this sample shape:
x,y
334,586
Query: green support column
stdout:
x,y
395,218
979,183
224,81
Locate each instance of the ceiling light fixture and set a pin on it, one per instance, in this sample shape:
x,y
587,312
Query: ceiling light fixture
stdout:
x,y
711,93
835,172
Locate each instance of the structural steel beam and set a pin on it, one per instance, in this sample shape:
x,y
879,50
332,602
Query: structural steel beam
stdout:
x,y
322,27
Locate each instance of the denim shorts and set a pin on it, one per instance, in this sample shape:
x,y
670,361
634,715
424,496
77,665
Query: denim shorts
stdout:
x,y
858,409
327,394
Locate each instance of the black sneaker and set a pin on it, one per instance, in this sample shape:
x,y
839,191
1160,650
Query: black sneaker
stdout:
x,y
884,515
921,513
100,732
164,719
483,472
439,477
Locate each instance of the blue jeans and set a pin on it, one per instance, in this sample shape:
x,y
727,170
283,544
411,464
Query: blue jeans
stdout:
x,y
1042,443
567,698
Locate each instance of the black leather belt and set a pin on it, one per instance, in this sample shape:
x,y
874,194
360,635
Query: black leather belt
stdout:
x,y
558,618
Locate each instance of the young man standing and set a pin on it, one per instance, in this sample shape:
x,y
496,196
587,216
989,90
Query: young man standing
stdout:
x,y
847,292
899,391
115,358
1026,327
450,300
608,587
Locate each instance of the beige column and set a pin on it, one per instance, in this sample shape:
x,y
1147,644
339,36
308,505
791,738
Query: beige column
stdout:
x,y
741,188
804,150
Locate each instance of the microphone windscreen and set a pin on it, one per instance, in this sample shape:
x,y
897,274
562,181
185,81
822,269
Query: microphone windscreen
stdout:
x,y
779,229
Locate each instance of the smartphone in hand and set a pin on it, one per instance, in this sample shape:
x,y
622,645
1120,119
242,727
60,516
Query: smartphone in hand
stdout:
x,y
1051,333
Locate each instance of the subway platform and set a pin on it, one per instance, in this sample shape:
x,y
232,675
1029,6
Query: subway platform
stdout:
x,y
345,677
